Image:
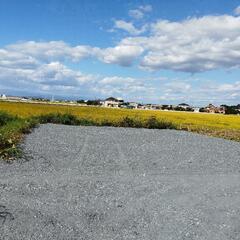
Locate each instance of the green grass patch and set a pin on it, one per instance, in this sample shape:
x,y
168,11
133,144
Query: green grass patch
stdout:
x,y
10,135
6,118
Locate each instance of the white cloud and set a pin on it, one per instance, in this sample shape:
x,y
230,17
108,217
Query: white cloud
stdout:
x,y
146,8
201,93
234,87
56,73
177,87
139,12
53,73
193,45
129,27
32,54
237,10
125,87
136,13
117,80
123,55
15,59
50,51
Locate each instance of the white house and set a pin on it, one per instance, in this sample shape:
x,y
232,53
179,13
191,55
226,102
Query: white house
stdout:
x,y
113,102
3,97
134,104
183,105
196,109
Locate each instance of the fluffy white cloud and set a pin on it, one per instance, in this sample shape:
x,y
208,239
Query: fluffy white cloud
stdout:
x,y
193,45
16,59
123,55
32,54
125,87
50,74
129,27
56,73
49,51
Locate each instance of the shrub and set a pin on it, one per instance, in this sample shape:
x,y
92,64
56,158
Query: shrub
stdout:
x,y
153,123
129,122
86,122
66,119
58,118
5,118
106,123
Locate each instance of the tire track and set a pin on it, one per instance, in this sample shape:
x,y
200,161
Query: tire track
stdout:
x,y
5,215
124,167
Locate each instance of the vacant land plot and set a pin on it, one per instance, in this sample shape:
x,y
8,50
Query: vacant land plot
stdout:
x,y
116,183
226,126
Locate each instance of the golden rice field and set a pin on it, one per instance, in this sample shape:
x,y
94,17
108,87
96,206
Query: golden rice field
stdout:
x,y
226,126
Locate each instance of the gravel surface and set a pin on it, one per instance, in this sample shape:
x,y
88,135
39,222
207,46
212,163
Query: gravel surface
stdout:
x,y
105,183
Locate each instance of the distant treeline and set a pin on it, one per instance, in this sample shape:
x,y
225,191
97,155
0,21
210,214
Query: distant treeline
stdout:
x,y
232,109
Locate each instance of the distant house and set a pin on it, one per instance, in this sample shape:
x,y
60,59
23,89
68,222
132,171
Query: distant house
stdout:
x,y
183,105
3,97
196,109
134,105
14,98
222,109
213,109
210,108
113,102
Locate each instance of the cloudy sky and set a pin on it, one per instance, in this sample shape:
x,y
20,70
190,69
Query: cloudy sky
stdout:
x,y
166,51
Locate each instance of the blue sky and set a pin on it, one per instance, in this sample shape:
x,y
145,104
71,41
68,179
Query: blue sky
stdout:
x,y
147,51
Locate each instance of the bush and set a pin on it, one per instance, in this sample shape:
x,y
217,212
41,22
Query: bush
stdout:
x,y
5,118
66,118
106,123
153,123
129,122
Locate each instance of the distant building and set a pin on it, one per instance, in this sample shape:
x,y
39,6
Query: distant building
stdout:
x,y
213,109
3,97
13,98
222,110
183,105
196,109
134,105
113,102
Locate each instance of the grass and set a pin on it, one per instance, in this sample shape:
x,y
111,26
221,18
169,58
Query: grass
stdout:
x,y
11,133
20,117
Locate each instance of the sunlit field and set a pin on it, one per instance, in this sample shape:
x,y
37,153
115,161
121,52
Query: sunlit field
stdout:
x,y
227,126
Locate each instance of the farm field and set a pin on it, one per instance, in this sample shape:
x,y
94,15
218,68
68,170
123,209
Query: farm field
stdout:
x,y
226,126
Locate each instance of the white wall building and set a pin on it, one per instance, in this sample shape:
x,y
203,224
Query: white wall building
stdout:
x,y
113,102
3,97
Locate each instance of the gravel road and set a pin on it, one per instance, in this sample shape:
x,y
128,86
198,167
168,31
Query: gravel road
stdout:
x,y
106,183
